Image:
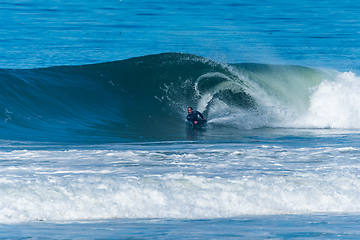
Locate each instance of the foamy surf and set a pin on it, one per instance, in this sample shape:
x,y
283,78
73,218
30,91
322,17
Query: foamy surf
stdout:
x,y
335,104
220,181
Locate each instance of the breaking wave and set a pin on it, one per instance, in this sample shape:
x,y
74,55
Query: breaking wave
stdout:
x,y
147,97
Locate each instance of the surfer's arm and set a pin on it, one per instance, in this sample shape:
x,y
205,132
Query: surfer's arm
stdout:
x,y
202,117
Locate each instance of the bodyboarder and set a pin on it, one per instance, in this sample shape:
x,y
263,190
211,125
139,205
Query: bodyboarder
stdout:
x,y
195,117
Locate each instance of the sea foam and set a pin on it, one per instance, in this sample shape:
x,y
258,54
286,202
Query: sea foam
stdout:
x,y
217,182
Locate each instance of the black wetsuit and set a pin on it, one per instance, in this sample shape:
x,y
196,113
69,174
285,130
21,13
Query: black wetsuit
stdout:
x,y
194,116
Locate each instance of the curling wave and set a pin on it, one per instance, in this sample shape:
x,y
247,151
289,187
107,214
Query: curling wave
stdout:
x,y
146,98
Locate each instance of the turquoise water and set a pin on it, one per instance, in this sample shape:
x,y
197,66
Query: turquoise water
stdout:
x,y
94,142
253,227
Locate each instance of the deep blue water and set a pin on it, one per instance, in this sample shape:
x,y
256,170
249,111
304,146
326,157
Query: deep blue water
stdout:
x,y
43,33
94,143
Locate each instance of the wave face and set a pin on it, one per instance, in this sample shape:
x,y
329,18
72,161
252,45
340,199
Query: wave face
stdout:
x,y
147,97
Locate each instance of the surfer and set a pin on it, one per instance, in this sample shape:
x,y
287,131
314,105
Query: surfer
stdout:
x,y
195,117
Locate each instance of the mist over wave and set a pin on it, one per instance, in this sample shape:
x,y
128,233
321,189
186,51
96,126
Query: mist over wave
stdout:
x,y
147,97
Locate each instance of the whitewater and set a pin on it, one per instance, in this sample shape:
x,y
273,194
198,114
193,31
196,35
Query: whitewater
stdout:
x,y
215,182
94,143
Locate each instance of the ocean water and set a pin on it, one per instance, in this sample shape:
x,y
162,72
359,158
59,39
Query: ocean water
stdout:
x,y
94,142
